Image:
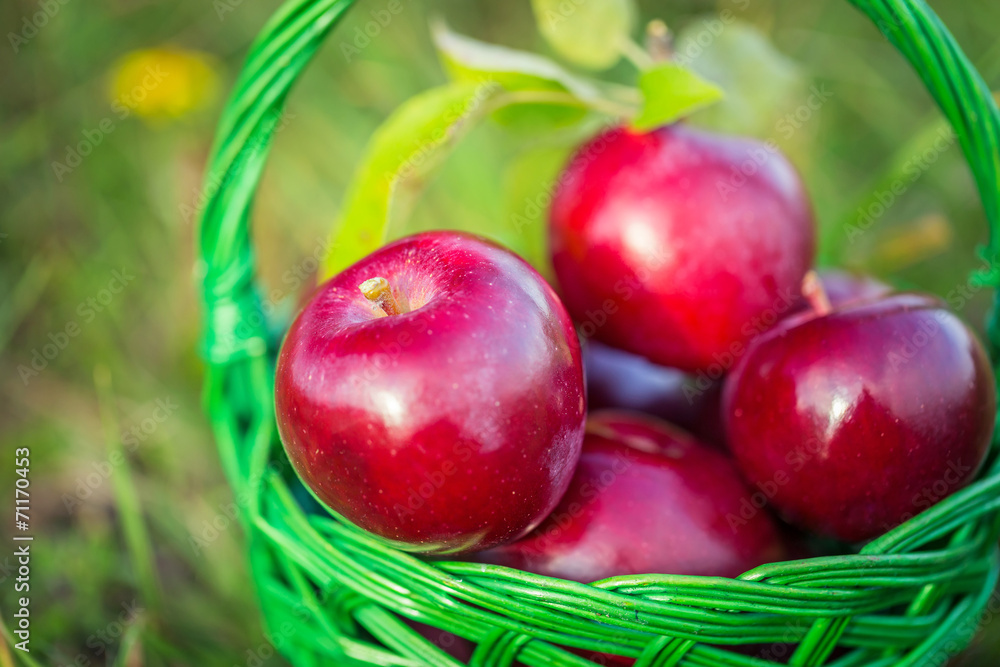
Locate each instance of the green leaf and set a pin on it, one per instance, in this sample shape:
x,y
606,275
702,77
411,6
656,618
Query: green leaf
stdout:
x,y
553,97
399,158
469,58
670,92
762,85
587,33
405,151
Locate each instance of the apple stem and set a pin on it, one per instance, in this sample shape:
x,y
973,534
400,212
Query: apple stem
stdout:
x,y
659,41
815,293
378,291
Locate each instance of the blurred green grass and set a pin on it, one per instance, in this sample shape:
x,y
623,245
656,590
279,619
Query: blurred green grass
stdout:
x,y
137,560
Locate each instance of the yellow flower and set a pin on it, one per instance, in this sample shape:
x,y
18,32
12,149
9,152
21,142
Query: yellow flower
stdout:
x,y
162,83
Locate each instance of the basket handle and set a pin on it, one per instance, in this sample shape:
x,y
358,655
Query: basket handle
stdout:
x,y
968,104
234,326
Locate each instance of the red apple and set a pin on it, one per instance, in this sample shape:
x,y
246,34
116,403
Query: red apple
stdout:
x,y
442,407
647,498
678,244
854,420
617,379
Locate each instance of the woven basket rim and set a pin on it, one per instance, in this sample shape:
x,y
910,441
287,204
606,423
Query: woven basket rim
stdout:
x,y
912,595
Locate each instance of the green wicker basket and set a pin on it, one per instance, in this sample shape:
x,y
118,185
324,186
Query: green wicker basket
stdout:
x,y
333,595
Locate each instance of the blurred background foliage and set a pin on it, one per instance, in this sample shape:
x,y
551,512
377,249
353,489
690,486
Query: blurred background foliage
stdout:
x,y
108,111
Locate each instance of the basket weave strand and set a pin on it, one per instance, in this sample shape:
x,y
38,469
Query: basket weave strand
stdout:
x,y
331,594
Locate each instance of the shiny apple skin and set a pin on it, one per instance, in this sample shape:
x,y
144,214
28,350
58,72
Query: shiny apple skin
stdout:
x,y
657,234
864,417
620,380
843,287
453,427
646,498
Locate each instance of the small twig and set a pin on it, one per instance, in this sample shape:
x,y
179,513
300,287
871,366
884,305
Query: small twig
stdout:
x,y
659,41
562,99
636,55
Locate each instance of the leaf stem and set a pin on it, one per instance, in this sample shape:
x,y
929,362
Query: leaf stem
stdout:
x,y
635,54
608,107
659,42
